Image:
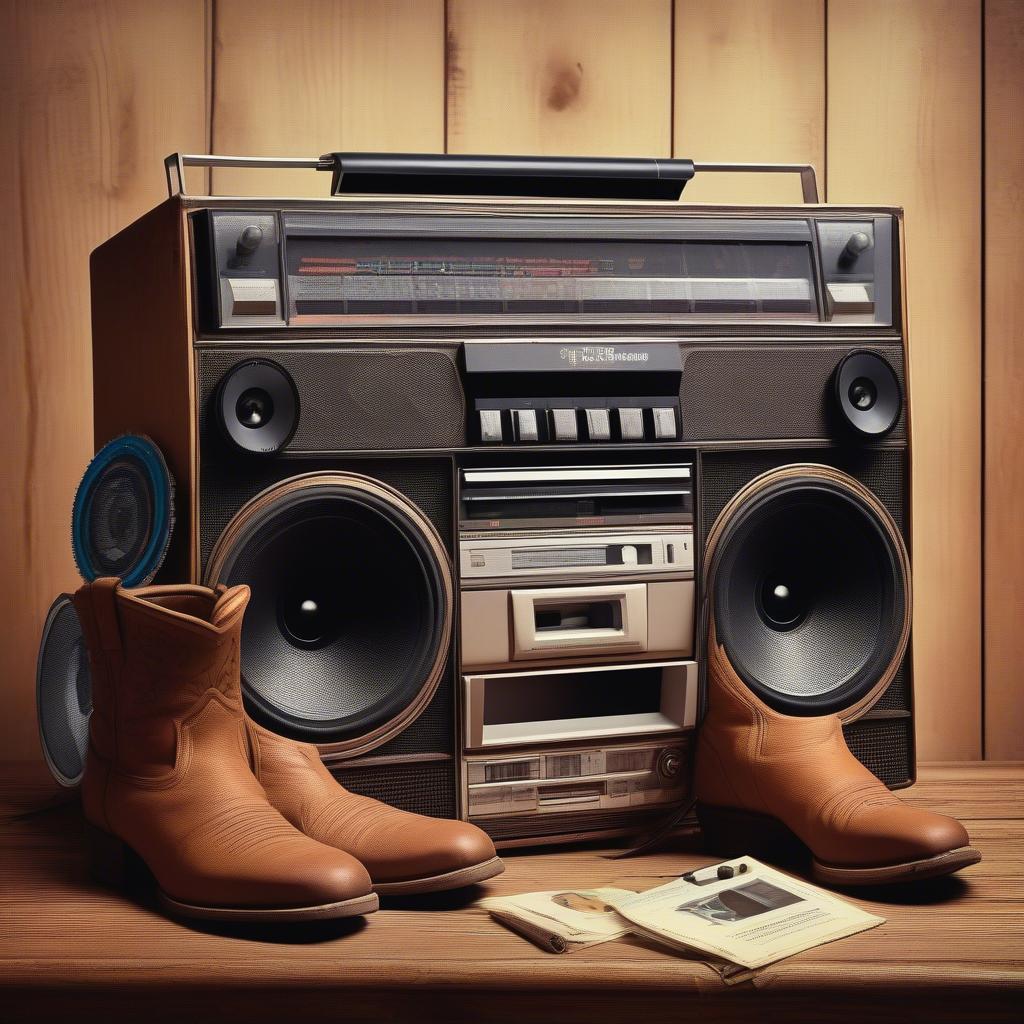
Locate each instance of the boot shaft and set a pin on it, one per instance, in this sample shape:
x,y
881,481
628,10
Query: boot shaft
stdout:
x,y
154,654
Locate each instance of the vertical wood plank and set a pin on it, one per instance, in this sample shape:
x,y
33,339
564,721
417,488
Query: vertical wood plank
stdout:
x,y
904,107
574,77
310,76
750,86
1004,379
96,93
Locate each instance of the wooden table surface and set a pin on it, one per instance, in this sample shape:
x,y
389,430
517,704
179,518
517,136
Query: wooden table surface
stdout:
x,y
952,949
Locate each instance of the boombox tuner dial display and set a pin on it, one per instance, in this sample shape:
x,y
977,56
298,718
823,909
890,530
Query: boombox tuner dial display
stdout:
x,y
568,425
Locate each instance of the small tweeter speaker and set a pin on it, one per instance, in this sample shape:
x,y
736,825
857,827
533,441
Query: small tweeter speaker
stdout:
x,y
348,629
258,406
123,515
809,581
63,693
867,394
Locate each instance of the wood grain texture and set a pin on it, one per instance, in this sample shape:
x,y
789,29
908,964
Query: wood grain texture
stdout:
x,y
904,127
86,122
309,76
1004,378
575,77
951,950
750,86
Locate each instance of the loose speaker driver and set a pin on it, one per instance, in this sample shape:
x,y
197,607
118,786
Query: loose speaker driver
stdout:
x,y
123,514
63,693
349,623
809,586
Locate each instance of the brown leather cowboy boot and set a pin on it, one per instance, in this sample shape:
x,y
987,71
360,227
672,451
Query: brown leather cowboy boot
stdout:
x,y
167,771
404,853
765,780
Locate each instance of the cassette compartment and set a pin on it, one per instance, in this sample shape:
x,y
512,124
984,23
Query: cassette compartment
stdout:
x,y
558,705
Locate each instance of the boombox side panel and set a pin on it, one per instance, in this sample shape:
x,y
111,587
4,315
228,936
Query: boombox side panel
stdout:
x,y
142,354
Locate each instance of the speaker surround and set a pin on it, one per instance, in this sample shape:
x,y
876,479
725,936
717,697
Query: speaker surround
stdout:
x,y
349,623
810,584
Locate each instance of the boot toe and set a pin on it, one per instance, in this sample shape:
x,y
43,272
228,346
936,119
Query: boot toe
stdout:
x,y
898,833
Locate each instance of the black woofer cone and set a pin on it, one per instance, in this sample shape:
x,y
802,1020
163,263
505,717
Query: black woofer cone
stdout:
x,y
348,627
810,591
867,394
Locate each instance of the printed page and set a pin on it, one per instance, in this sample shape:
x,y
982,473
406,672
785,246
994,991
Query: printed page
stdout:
x,y
753,918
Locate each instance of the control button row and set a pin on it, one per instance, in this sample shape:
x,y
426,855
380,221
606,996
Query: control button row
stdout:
x,y
563,426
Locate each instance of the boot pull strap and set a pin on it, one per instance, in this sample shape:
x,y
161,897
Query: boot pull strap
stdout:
x,y
104,606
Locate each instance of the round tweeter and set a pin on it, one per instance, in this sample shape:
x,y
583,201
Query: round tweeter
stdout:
x,y
123,514
349,624
258,406
809,585
867,394
63,693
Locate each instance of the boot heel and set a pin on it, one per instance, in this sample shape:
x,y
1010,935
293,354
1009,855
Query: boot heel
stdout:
x,y
731,833
113,863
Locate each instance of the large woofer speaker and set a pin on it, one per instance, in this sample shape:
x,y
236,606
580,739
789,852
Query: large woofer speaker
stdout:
x,y
349,624
809,583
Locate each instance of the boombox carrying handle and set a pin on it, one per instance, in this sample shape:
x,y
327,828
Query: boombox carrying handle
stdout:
x,y
528,176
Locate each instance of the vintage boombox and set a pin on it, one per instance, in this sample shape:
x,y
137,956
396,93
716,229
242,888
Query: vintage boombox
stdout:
x,y
467,452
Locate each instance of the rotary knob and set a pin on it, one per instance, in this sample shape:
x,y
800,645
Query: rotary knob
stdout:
x,y
858,242
670,763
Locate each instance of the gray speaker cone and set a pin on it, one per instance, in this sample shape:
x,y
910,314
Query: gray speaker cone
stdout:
x,y
63,693
810,595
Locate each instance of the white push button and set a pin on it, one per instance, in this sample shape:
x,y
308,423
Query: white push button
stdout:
x,y
253,296
664,424
564,424
526,424
631,424
629,554
490,426
599,427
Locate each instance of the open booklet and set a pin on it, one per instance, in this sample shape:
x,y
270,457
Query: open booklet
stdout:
x,y
734,916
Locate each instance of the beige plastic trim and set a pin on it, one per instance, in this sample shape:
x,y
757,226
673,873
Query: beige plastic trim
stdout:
x,y
529,642
677,710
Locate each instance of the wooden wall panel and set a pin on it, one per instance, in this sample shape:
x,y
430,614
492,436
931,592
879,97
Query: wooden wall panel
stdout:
x,y
310,76
750,86
96,93
904,117
590,77
1004,379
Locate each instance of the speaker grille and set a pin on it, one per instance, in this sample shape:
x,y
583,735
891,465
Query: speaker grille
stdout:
x,y
359,399
881,470
777,391
424,787
885,747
